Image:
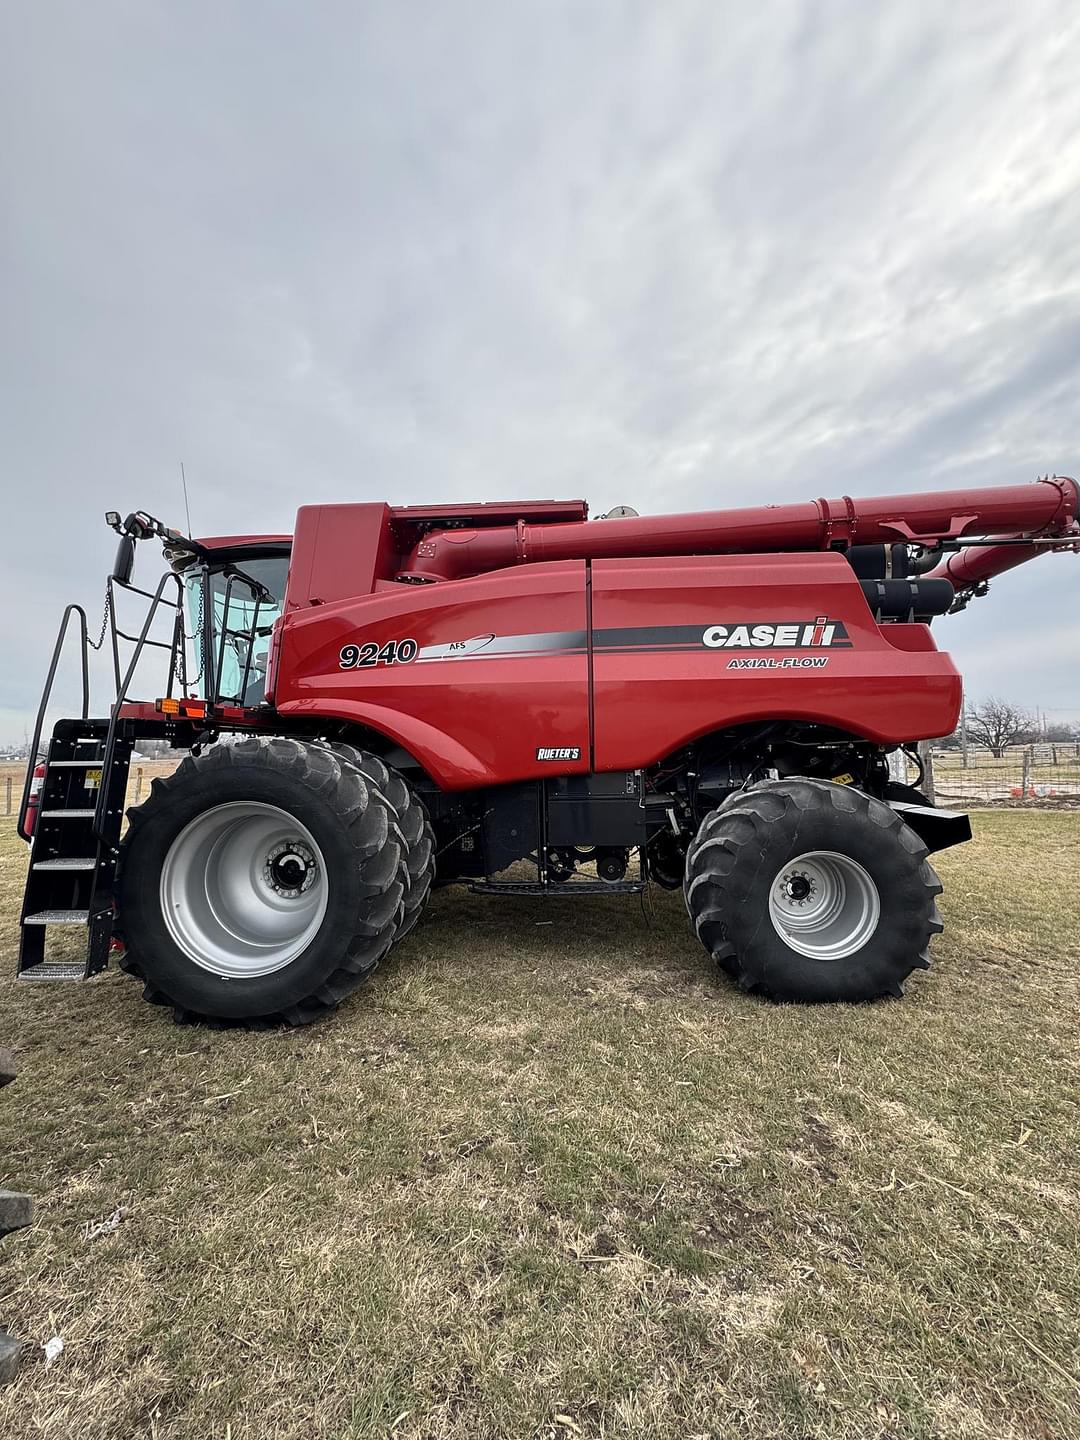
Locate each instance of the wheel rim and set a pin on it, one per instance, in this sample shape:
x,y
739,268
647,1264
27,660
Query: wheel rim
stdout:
x,y
243,889
824,905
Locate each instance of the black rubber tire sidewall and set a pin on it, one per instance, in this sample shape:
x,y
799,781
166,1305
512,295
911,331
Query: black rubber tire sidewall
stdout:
x,y
418,857
852,824
165,966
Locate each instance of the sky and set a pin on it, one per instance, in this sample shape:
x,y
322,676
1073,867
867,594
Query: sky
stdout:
x,y
673,256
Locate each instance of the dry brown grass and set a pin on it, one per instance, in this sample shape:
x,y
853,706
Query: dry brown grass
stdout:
x,y
548,1176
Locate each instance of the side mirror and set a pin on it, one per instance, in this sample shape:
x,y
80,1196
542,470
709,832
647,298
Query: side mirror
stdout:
x,y
125,560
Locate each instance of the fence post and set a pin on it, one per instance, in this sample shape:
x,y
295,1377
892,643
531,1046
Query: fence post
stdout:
x,y
1026,781
927,757
8,810
138,783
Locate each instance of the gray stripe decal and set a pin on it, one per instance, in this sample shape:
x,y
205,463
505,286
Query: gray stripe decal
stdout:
x,y
643,639
501,647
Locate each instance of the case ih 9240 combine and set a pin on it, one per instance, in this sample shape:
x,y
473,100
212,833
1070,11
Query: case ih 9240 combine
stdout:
x,y
440,693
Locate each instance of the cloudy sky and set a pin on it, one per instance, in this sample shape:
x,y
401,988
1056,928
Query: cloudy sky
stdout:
x,y
670,255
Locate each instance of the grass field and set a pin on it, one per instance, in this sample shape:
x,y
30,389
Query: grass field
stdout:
x,y
547,1176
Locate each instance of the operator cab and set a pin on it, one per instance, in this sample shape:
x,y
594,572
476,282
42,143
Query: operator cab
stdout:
x,y
234,589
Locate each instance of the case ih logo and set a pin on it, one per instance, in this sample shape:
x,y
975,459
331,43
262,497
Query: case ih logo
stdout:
x,y
791,635
559,752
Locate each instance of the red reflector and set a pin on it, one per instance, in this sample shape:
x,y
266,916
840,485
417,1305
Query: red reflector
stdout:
x,y
195,708
33,800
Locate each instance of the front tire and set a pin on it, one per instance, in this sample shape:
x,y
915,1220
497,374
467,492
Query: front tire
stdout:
x,y
260,883
418,854
810,891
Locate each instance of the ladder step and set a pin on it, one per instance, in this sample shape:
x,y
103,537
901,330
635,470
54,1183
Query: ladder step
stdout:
x,y
87,862
58,917
67,814
75,764
67,970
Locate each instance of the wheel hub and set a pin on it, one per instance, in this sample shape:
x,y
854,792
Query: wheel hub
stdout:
x,y
824,905
798,887
243,889
290,868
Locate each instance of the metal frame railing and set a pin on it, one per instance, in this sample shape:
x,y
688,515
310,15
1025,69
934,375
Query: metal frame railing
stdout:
x,y
211,668
259,595
32,759
122,680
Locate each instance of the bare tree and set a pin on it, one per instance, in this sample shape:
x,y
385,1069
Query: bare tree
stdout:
x,y
997,724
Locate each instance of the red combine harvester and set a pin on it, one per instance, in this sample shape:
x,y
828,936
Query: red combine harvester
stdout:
x,y
395,697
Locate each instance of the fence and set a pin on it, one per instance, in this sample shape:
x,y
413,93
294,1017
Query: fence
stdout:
x,y
1042,774
139,782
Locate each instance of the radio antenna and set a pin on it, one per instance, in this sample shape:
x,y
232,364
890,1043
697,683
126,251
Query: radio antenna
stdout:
x,y
187,508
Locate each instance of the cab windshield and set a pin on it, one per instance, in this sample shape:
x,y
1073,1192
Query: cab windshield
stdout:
x,y
237,668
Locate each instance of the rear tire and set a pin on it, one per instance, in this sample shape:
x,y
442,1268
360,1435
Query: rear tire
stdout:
x,y
418,858
260,883
810,891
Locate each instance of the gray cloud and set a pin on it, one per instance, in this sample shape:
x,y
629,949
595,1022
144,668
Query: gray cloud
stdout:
x,y
674,256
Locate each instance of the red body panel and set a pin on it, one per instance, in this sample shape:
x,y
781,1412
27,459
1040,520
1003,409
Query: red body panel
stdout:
x,y
648,702
339,551
472,717
518,679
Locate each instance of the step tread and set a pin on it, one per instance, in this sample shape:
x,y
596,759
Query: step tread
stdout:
x,y
67,814
81,862
58,970
58,917
75,764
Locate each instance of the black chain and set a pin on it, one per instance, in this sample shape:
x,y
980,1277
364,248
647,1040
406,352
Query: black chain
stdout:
x,y
195,638
182,660
104,621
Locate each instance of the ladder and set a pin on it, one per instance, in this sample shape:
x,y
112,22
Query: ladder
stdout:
x,y
72,877
75,842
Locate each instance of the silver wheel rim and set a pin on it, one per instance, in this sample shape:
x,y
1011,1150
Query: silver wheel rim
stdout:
x,y
824,905
243,889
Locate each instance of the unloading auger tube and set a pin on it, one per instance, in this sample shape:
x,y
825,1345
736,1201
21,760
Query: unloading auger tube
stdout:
x,y
1047,508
